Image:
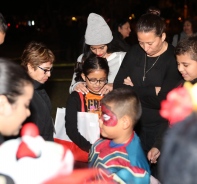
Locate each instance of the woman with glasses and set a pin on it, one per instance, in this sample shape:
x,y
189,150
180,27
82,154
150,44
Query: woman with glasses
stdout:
x,y
94,73
38,61
98,41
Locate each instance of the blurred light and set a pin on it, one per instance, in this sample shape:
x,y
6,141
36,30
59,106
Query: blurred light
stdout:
x,y
29,23
167,21
16,26
179,18
74,19
32,23
9,24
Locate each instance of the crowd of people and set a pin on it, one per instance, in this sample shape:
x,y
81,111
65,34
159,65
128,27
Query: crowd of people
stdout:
x,y
124,85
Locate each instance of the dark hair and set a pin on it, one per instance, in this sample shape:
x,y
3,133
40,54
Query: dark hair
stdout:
x,y
178,162
151,21
193,23
3,24
125,102
187,45
13,78
119,23
90,64
36,53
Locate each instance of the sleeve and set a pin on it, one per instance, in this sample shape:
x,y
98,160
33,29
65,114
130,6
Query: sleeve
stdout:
x,y
127,175
123,71
73,82
170,79
72,107
175,40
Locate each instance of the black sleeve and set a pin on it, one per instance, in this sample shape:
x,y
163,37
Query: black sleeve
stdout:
x,y
170,79
123,71
72,107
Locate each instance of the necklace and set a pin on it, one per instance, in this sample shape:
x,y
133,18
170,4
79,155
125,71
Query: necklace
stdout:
x,y
146,71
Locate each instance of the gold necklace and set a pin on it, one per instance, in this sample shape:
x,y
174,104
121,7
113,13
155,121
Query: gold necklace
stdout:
x,y
146,71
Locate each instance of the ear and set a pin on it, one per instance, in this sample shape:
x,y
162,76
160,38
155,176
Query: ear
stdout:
x,y
30,68
126,122
5,106
119,29
83,76
163,36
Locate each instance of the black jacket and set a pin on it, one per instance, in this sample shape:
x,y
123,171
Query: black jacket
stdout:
x,y
40,108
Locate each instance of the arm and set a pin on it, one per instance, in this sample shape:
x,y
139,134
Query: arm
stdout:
x,y
175,40
72,107
128,176
170,79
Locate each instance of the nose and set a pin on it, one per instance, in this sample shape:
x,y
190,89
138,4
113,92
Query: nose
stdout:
x,y
180,68
28,112
48,73
146,47
98,52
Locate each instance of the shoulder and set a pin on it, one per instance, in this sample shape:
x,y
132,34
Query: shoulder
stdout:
x,y
122,54
175,36
73,96
79,58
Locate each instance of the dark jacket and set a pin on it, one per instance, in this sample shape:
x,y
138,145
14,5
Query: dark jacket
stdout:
x,y
119,43
40,108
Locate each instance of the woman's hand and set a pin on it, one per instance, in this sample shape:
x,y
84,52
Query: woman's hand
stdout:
x,y
157,90
128,81
81,87
153,155
106,89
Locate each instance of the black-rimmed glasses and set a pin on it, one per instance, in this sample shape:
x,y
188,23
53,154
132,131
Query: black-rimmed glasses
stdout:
x,y
94,81
46,70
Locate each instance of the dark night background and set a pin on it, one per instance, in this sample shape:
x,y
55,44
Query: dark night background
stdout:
x,y
53,18
54,27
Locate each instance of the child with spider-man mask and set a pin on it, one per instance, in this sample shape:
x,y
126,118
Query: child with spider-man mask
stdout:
x,y
119,154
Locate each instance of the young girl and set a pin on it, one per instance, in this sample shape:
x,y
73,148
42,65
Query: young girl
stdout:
x,y
94,73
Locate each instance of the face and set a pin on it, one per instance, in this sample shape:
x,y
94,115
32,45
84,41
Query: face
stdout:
x,y
187,28
125,30
99,50
95,80
108,122
15,114
151,43
2,37
187,67
42,73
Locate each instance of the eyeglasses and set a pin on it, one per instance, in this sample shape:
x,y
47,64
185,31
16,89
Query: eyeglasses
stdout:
x,y
46,70
94,81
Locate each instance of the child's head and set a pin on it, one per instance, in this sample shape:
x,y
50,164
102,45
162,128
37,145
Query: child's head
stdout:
x,y
186,54
16,90
121,109
95,72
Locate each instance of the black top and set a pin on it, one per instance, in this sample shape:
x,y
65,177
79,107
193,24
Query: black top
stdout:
x,y
163,74
73,106
40,108
119,43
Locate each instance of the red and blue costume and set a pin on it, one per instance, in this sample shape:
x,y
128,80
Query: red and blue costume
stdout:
x,y
125,163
